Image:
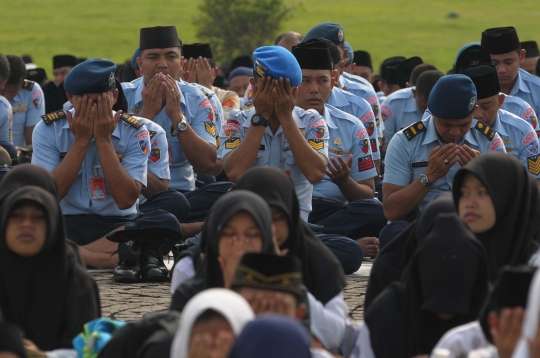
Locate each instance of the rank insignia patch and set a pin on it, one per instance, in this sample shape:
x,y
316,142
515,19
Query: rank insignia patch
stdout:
x,y
232,143
533,164
316,144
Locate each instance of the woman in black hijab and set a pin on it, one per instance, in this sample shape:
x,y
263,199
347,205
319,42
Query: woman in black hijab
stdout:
x,y
209,273
321,271
509,227
394,258
27,174
42,289
445,286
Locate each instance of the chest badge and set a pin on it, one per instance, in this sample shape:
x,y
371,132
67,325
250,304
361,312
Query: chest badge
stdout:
x,y
337,141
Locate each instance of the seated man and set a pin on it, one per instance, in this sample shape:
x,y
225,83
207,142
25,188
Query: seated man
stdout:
x,y
343,202
98,158
422,159
26,98
518,136
275,132
181,110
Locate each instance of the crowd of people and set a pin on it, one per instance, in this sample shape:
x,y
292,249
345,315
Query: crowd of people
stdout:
x,y
269,179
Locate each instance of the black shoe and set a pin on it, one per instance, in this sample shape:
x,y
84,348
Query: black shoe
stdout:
x,y
153,267
128,269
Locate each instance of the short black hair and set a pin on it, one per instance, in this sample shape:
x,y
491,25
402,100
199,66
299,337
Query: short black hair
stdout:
x,y
289,35
4,67
17,69
128,73
418,70
426,81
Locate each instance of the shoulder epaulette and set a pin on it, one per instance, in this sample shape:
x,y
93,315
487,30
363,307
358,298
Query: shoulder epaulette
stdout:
x,y
53,117
29,85
485,130
414,129
131,121
207,95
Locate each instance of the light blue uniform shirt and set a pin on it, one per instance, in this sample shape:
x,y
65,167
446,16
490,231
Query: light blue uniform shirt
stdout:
x,y
275,151
200,115
520,140
399,111
216,107
407,153
522,109
381,96
51,144
28,107
347,136
364,90
360,108
527,87
6,118
158,157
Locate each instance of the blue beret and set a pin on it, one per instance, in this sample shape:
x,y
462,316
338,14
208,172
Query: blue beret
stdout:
x,y
91,76
350,54
134,64
240,71
277,61
452,97
328,30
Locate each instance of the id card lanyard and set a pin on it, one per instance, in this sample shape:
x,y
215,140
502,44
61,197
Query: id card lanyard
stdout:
x,y
97,185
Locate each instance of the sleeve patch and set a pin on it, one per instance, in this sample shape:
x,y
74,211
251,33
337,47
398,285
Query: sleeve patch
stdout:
x,y
533,164
414,130
53,117
155,155
210,128
485,130
316,144
361,133
495,144
366,117
232,143
365,163
370,128
386,112
364,146
373,145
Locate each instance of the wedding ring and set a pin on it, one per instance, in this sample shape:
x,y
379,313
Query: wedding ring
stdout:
x,y
446,161
172,89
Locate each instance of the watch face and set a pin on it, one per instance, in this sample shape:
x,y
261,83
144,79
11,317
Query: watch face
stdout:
x,y
423,179
182,125
256,119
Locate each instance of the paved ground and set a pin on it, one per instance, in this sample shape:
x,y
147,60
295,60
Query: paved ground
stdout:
x,y
128,302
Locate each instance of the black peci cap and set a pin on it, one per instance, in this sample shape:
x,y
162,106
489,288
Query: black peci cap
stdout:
x,y
362,58
485,79
500,40
159,37
197,50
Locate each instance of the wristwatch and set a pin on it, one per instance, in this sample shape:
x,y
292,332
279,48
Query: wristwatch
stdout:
x,y
424,180
258,120
182,126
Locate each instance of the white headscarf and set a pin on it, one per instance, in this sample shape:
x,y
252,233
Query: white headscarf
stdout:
x,y
233,307
530,324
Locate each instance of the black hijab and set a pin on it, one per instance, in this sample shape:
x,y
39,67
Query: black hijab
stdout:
x,y
321,271
49,296
27,174
447,275
516,197
394,258
209,274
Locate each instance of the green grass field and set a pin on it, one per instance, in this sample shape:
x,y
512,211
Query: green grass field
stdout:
x,y
110,29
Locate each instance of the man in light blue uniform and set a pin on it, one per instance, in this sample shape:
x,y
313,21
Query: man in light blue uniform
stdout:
x,y
343,202
26,99
518,136
422,159
181,110
351,83
6,112
407,106
503,45
473,54
349,103
275,132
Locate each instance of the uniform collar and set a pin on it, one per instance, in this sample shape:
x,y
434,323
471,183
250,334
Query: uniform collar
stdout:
x,y
410,106
341,81
328,117
498,126
338,97
432,136
115,133
520,85
140,86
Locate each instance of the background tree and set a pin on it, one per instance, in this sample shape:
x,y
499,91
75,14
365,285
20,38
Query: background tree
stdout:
x,y
238,27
